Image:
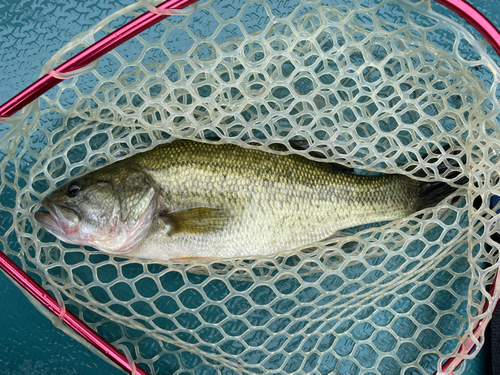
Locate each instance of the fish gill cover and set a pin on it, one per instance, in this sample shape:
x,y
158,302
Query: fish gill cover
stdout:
x,y
380,86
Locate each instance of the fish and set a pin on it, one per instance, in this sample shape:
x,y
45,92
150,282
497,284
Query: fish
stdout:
x,y
191,200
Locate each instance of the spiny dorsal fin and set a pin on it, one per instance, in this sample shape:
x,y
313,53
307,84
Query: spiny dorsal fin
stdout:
x,y
195,220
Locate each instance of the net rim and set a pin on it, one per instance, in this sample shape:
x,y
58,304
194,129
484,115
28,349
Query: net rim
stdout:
x,y
463,9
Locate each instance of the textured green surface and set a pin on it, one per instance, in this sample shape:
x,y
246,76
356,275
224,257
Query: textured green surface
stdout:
x,y
30,32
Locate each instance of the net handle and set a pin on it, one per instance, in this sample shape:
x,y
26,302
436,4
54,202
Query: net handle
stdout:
x,y
33,288
89,55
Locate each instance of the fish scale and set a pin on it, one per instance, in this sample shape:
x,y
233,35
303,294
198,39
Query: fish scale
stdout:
x,y
276,202
191,199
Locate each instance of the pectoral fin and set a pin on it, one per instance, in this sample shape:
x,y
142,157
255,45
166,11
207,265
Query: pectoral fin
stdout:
x,y
195,220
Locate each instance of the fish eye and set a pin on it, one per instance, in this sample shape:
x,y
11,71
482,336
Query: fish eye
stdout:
x,y
74,188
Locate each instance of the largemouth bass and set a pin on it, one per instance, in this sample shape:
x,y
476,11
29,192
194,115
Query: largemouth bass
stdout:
x,y
196,200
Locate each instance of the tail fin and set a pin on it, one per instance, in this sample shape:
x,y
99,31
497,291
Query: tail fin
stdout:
x,y
432,193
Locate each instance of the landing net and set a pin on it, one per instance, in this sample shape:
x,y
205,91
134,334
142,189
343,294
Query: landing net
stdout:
x,y
390,87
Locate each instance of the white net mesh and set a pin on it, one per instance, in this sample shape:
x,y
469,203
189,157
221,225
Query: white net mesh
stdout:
x,y
380,86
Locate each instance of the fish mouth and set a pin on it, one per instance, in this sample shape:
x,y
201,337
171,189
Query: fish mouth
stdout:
x,y
60,219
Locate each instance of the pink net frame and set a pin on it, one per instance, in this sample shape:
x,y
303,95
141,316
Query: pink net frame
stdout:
x,y
86,60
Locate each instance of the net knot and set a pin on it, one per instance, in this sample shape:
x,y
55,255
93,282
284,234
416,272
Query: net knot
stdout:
x,y
133,367
60,302
168,12
74,73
